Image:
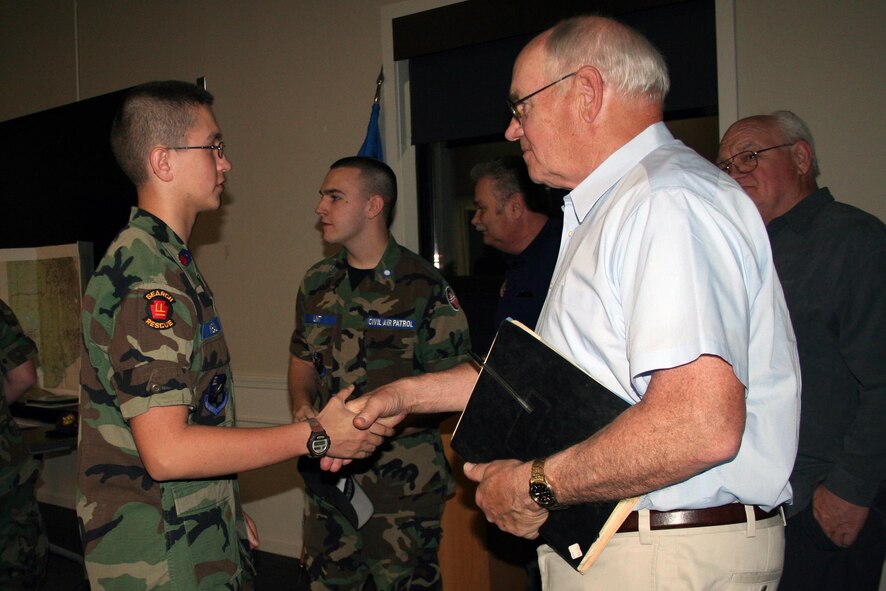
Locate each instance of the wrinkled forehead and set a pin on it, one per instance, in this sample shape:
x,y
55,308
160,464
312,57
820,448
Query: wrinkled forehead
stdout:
x,y
749,134
530,69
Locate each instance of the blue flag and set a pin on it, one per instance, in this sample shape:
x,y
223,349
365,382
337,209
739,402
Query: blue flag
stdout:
x,y
372,144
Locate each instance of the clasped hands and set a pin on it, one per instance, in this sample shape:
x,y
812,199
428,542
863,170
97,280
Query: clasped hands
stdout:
x,y
503,486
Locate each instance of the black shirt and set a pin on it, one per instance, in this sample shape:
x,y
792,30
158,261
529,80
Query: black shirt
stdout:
x,y
831,259
528,276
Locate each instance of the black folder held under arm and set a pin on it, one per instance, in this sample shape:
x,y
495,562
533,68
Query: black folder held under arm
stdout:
x,y
530,402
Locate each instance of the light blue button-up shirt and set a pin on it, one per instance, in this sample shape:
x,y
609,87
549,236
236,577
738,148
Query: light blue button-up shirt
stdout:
x,y
664,259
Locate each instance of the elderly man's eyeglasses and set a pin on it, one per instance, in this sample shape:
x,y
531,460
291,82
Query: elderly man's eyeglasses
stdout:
x,y
516,106
219,148
745,162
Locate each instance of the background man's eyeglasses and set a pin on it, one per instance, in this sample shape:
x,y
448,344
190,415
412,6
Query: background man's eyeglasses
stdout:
x,y
514,106
745,162
220,148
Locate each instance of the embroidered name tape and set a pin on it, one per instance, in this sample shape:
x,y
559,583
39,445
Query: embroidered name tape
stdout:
x,y
324,319
398,323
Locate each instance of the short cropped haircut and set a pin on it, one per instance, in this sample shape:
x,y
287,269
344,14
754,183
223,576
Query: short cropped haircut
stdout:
x,y
624,57
509,176
154,114
376,177
794,129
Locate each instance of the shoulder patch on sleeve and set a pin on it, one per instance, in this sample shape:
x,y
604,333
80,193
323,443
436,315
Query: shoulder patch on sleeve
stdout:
x,y
159,309
453,300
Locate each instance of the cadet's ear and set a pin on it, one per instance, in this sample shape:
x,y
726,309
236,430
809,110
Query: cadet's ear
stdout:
x,y
375,206
160,165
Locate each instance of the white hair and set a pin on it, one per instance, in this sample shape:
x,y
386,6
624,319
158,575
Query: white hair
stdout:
x,y
624,57
794,129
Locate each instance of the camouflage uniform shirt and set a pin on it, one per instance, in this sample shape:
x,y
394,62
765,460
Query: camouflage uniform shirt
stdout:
x,y
152,337
402,320
23,545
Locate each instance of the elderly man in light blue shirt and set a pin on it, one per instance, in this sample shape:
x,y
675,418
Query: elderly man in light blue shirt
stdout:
x,y
664,292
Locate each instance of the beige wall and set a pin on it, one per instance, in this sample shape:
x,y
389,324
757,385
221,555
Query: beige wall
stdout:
x,y
822,59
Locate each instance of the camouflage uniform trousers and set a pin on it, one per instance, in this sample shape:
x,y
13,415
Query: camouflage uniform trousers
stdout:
x,y
25,546
391,552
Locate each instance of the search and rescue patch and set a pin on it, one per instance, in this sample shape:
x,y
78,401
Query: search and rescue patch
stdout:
x,y
211,328
398,323
323,319
453,301
159,309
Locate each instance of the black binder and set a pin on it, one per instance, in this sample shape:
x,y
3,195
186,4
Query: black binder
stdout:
x,y
530,402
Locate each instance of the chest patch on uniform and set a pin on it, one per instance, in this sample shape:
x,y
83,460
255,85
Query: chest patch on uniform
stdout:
x,y
323,319
399,323
184,256
453,301
211,328
215,397
159,313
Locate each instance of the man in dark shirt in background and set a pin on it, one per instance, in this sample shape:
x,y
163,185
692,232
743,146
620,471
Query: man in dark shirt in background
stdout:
x,y
513,216
831,259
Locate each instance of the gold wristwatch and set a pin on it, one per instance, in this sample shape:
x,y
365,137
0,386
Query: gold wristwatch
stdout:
x,y
540,489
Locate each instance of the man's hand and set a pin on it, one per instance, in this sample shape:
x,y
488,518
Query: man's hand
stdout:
x,y
384,405
503,495
840,520
347,441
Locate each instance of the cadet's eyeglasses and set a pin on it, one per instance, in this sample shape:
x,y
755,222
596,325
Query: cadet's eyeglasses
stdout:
x,y
219,148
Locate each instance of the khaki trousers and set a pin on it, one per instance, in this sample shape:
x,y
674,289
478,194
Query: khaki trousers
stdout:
x,y
743,556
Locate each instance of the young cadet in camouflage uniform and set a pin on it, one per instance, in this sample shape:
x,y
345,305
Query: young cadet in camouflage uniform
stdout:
x,y
158,500
23,543
374,313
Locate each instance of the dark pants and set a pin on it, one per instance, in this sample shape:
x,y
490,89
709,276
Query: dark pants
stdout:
x,y
813,562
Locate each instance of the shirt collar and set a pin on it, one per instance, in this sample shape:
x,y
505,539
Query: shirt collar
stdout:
x,y
384,270
616,166
800,217
157,228
553,224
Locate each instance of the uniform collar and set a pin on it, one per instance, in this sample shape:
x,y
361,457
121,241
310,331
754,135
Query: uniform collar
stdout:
x,y
155,227
160,231
385,269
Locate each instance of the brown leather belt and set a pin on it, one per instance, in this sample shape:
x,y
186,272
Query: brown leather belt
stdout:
x,y
722,515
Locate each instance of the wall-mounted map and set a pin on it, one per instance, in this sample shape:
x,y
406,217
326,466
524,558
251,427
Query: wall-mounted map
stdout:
x,y
43,286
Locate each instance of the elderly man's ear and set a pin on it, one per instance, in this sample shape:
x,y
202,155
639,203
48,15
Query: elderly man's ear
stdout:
x,y
590,84
801,152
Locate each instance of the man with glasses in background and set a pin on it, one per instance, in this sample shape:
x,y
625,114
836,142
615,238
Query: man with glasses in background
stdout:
x,y
664,292
157,496
831,259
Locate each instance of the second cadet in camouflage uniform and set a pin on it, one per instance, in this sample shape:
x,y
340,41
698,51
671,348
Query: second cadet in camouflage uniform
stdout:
x,y
158,500
367,328
23,542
